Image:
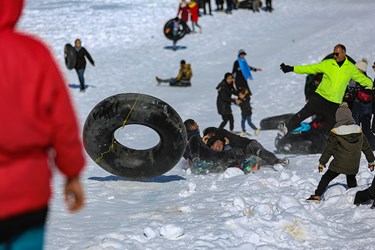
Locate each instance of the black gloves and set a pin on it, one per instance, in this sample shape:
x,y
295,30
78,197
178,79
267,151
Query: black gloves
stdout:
x,y
286,68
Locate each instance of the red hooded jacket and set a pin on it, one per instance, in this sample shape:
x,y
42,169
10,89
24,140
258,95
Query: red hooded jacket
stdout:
x,y
38,122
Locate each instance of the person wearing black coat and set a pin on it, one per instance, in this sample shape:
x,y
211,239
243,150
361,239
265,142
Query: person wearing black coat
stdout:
x,y
248,146
224,100
81,62
240,80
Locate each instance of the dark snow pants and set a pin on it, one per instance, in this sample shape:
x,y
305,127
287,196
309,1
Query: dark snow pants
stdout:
x,y
226,118
316,105
255,148
328,177
198,149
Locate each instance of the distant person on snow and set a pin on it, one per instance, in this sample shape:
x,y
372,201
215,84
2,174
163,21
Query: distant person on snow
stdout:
x,y
194,15
81,63
337,73
39,132
269,5
242,72
183,78
183,11
345,144
362,104
225,91
246,112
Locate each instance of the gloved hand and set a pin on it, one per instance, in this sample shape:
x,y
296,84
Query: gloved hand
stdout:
x,y
286,68
320,167
371,165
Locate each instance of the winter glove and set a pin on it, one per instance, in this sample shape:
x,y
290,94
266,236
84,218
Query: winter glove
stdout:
x,y
320,167
286,68
371,165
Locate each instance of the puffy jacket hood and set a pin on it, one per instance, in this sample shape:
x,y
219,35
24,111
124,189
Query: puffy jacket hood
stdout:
x,y
10,12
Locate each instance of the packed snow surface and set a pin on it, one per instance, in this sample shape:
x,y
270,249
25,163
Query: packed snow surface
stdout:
x,y
179,210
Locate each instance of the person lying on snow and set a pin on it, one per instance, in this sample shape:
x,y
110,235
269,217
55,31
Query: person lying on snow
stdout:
x,y
183,78
345,144
250,147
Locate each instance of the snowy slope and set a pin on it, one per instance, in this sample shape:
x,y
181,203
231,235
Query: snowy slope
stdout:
x,y
178,210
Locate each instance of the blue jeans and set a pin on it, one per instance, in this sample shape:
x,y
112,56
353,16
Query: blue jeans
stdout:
x,y
248,119
81,79
31,239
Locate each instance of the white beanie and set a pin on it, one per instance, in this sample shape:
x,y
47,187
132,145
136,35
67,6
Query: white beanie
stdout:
x,y
362,64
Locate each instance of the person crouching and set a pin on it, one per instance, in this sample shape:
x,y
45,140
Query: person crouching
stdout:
x,y
345,143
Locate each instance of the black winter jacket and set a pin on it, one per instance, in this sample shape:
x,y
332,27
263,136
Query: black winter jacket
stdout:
x,y
81,61
240,80
246,109
224,97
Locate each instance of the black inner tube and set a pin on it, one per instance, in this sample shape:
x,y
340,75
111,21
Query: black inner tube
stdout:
x,y
132,108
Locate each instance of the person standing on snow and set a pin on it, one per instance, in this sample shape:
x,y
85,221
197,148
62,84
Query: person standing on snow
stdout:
x,y
337,72
246,112
194,15
362,104
81,62
39,131
345,144
183,9
242,72
224,100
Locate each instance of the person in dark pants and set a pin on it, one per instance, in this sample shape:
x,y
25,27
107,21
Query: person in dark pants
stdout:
x,y
269,5
219,5
362,105
207,2
364,196
81,63
345,144
337,73
224,100
248,146
39,135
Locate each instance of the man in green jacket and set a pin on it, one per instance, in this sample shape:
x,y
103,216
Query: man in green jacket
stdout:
x,y
337,72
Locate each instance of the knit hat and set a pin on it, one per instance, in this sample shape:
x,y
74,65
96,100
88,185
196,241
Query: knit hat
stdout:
x,y
344,116
241,51
362,64
215,138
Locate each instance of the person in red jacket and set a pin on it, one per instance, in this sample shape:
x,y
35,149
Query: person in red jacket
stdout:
x,y
194,15
39,130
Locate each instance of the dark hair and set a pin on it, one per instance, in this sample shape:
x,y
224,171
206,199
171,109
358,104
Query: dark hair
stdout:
x,y
189,123
341,46
182,62
77,40
215,138
227,74
209,130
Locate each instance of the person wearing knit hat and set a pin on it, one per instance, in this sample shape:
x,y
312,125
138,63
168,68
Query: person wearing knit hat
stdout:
x,y
345,144
242,72
361,104
362,65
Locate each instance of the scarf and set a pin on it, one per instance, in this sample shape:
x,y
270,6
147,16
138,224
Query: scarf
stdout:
x,y
245,68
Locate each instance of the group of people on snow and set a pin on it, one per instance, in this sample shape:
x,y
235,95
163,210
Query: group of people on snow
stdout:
x,y
219,149
346,140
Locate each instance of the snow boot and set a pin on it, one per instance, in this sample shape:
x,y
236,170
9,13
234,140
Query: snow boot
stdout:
x,y
362,197
313,198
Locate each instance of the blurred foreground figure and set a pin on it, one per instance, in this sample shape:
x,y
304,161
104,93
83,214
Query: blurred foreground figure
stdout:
x,y
38,131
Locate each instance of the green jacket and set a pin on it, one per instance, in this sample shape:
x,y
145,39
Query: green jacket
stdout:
x,y
335,78
345,144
